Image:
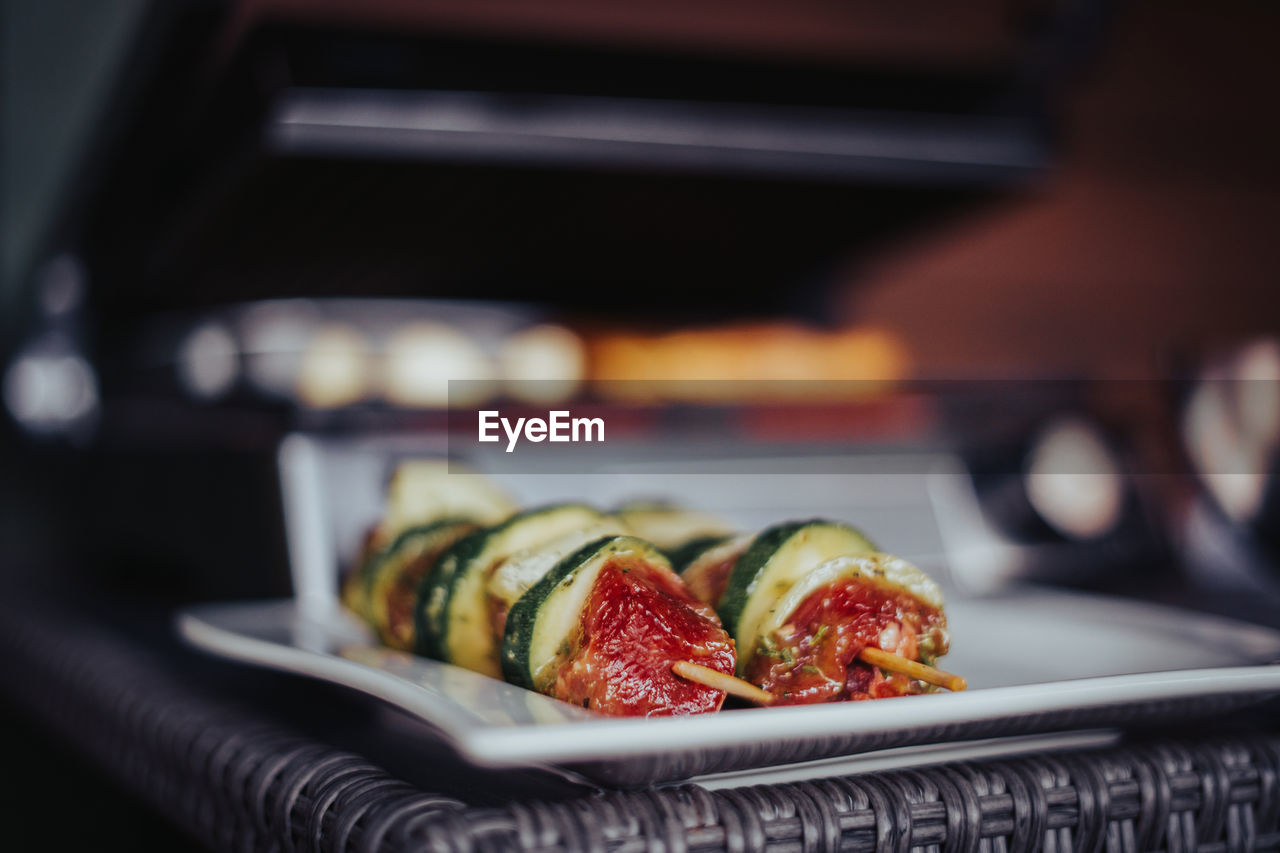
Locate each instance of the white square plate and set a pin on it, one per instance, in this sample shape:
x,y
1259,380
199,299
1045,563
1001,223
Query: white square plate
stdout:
x,y
1036,661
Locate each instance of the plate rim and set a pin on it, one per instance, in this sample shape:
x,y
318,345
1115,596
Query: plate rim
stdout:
x,y
595,738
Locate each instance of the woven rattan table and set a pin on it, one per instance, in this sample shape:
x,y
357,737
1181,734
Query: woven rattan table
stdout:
x,y
239,781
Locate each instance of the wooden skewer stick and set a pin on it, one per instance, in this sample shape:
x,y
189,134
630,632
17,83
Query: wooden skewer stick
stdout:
x,y
732,685
919,671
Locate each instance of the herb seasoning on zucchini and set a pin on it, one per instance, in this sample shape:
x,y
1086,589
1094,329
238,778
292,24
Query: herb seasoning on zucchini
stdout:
x,y
854,627
455,622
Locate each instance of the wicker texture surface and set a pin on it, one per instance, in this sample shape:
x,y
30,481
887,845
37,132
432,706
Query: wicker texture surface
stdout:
x,y
240,784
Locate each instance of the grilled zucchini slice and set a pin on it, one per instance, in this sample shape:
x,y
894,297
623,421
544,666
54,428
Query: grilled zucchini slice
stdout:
x,y
884,570
685,555
544,625
454,620
773,563
395,575
518,574
707,572
426,490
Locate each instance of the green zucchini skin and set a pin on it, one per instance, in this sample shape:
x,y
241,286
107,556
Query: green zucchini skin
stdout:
x,y
685,554
745,580
437,594
357,586
522,620
429,623
409,545
380,561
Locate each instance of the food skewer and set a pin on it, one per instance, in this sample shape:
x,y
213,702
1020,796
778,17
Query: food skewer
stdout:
x,y
914,669
553,599
735,686
805,600
604,626
730,684
602,587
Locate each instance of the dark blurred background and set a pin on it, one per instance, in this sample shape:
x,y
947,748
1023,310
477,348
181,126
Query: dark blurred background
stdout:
x,y
1042,230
